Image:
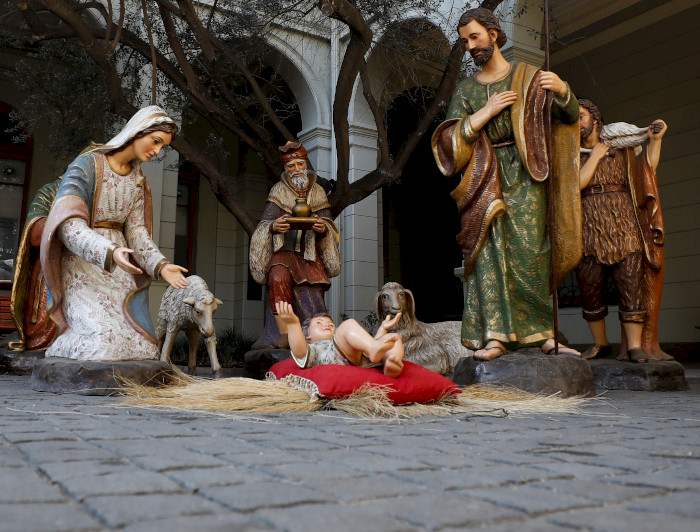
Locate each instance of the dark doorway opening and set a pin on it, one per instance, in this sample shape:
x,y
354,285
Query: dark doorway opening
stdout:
x,y
421,220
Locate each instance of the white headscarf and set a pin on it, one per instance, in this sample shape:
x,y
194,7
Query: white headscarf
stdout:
x,y
143,119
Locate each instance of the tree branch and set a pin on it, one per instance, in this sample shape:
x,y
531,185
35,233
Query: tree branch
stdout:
x,y
149,30
360,41
118,34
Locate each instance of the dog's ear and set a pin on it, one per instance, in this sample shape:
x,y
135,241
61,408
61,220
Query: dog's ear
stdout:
x,y
378,305
410,305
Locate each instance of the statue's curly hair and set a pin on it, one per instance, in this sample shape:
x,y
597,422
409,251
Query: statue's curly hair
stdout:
x,y
487,19
595,112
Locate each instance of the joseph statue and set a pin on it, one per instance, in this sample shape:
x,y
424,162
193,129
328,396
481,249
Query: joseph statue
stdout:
x,y
495,136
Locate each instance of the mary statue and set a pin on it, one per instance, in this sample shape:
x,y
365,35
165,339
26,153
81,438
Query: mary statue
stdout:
x,y
96,249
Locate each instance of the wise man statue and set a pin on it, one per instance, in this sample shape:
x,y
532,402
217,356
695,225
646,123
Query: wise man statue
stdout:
x,y
296,262
623,236
495,137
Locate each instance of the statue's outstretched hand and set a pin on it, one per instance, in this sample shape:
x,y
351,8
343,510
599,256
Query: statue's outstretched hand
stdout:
x,y
285,312
173,275
390,322
121,257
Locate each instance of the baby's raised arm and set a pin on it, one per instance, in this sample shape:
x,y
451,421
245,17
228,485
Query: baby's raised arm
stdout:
x,y
297,342
387,324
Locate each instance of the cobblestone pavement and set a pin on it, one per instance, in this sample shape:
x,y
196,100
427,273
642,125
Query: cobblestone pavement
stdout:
x,y
78,463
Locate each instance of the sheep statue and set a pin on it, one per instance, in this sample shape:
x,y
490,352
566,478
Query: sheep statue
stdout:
x,y
192,310
436,346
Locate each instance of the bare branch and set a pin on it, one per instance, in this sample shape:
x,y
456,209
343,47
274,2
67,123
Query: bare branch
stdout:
x,y
211,14
149,29
490,4
120,26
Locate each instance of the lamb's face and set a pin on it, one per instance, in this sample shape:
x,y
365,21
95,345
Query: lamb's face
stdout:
x,y
393,301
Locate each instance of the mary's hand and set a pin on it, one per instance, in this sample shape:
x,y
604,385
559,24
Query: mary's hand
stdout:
x,y
173,275
120,256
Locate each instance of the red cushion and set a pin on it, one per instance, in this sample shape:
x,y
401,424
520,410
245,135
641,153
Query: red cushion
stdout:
x,y
415,384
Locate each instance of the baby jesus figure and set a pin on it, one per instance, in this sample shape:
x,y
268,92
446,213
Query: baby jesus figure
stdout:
x,y
319,342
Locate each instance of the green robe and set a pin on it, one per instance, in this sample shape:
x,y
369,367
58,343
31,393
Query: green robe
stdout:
x,y
507,293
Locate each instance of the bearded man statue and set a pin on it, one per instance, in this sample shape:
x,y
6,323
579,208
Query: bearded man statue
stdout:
x,y
295,262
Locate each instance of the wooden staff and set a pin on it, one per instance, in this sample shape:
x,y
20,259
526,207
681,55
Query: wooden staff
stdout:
x,y
550,187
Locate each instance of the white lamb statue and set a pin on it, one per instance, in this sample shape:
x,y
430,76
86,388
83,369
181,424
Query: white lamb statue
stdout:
x,y
192,310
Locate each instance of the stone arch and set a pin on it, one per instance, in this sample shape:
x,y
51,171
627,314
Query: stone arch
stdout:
x,y
308,87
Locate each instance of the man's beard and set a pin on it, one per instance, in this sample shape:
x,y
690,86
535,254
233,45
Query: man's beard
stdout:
x,y
484,57
299,181
587,131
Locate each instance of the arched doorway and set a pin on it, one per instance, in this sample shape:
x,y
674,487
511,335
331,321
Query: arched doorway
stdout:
x,y
421,221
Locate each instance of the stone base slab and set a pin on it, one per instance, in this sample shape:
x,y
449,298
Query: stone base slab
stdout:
x,y
659,376
256,363
19,362
63,375
531,370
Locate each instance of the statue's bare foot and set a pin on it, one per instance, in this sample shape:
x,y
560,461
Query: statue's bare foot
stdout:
x,y
548,349
493,349
393,366
381,345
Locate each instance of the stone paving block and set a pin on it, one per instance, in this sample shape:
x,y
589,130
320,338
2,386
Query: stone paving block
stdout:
x,y
61,451
121,483
166,457
369,463
26,437
43,517
210,523
365,488
666,479
122,510
528,499
24,485
10,457
262,459
332,517
59,471
255,495
575,470
198,478
539,524
619,519
600,491
483,474
128,448
310,472
435,510
684,504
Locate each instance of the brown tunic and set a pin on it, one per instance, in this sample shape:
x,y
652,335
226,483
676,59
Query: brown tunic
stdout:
x,y
610,230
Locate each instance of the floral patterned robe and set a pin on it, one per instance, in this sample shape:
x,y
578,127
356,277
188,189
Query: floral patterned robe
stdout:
x,y
102,314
